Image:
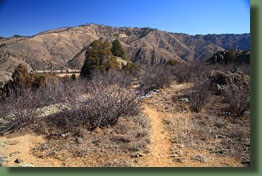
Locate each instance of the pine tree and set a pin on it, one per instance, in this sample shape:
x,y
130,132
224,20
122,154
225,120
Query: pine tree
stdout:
x,y
98,57
117,49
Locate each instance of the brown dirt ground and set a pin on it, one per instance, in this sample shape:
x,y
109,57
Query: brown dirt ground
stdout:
x,y
160,147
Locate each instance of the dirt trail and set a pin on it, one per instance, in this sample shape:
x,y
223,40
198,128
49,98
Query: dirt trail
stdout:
x,y
159,156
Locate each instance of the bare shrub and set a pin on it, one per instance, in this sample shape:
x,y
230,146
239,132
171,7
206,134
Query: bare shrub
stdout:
x,y
198,96
18,111
113,77
155,77
23,106
238,99
102,106
182,72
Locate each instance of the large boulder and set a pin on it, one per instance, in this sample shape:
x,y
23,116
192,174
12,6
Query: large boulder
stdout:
x,y
220,81
232,56
244,58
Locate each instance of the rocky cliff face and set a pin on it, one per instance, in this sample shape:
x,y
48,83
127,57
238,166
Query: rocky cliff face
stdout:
x,y
236,56
65,47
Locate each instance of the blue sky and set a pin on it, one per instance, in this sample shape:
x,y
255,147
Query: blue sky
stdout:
x,y
28,17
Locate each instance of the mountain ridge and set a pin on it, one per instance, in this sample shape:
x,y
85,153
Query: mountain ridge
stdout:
x,y
65,47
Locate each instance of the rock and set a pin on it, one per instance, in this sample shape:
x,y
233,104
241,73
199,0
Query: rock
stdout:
x,y
63,134
26,165
237,56
173,148
173,140
244,58
220,81
179,160
147,151
135,161
18,160
2,160
176,153
180,146
186,100
156,90
200,158
136,155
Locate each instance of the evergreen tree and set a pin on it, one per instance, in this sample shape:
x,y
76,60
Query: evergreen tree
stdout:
x,y
117,49
98,56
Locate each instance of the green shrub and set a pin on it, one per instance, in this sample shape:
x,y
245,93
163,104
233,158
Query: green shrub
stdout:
x,y
21,80
172,62
73,76
98,57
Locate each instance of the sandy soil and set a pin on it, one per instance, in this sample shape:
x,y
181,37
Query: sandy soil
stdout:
x,y
160,144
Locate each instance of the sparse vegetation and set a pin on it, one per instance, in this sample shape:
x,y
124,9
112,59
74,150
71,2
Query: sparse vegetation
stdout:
x,y
204,107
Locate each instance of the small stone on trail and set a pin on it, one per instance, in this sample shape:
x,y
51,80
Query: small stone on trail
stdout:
x,y
200,158
184,100
179,160
176,153
136,155
180,145
18,160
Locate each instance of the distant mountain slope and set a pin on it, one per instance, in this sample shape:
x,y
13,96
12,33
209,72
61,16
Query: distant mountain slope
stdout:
x,y
65,47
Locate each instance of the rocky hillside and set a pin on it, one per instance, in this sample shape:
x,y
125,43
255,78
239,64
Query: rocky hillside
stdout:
x,y
65,47
233,55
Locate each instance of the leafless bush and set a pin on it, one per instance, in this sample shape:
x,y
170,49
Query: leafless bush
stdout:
x,y
22,108
96,103
113,77
182,72
155,77
238,99
18,111
198,96
102,106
